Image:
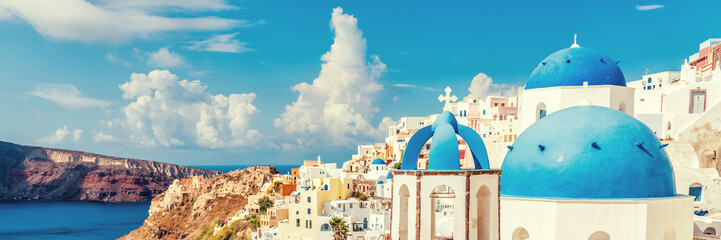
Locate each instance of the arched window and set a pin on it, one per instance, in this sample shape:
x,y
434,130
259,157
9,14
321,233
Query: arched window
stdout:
x,y
484,214
442,212
403,216
540,111
710,231
325,227
622,107
695,190
520,234
669,235
599,236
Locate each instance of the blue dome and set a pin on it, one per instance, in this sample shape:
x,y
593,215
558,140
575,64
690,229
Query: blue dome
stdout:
x,y
379,161
573,66
587,152
444,153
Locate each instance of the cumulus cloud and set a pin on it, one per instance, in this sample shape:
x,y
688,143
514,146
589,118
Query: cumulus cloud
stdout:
x,y
338,105
482,86
67,96
220,43
164,58
115,21
168,112
62,135
648,7
100,137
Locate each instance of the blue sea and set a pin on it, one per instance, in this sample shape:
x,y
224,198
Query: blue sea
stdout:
x,y
81,220
70,220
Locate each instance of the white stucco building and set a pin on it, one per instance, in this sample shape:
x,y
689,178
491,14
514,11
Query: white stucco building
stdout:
x,y
671,102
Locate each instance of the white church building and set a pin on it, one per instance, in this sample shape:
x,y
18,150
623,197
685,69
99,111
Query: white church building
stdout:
x,y
445,201
584,168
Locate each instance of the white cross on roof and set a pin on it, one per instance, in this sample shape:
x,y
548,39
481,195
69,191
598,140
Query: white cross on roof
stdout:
x,y
448,98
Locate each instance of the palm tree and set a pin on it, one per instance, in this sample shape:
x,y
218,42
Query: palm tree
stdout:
x,y
340,229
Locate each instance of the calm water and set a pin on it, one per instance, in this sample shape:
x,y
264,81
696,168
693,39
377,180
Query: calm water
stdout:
x,y
70,220
81,220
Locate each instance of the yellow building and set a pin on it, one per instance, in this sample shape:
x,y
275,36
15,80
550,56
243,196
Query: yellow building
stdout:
x,y
303,211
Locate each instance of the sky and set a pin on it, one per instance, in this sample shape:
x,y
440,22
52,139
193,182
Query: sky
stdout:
x,y
220,82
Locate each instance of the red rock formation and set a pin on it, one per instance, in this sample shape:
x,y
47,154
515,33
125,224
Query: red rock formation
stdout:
x,y
28,172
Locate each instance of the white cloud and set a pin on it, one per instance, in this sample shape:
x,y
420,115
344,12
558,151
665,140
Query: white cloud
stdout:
x,y
115,21
220,43
198,73
164,58
77,133
67,96
100,137
169,112
110,57
483,86
175,5
402,85
648,7
338,105
62,135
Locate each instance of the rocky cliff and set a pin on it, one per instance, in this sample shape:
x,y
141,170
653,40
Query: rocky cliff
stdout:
x,y
37,173
184,209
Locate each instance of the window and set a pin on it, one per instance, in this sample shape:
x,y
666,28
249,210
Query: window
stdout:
x,y
403,223
310,223
599,236
483,212
308,210
669,235
443,196
520,234
349,186
695,190
325,227
495,104
503,104
306,223
540,111
484,112
649,80
297,223
308,199
698,101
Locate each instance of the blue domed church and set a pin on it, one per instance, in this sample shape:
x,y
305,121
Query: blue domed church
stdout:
x,y
571,77
584,168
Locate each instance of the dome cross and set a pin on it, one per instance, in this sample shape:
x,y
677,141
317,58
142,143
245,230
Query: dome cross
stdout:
x,y
575,43
448,98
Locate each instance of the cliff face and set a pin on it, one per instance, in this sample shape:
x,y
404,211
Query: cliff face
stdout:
x,y
28,172
182,210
